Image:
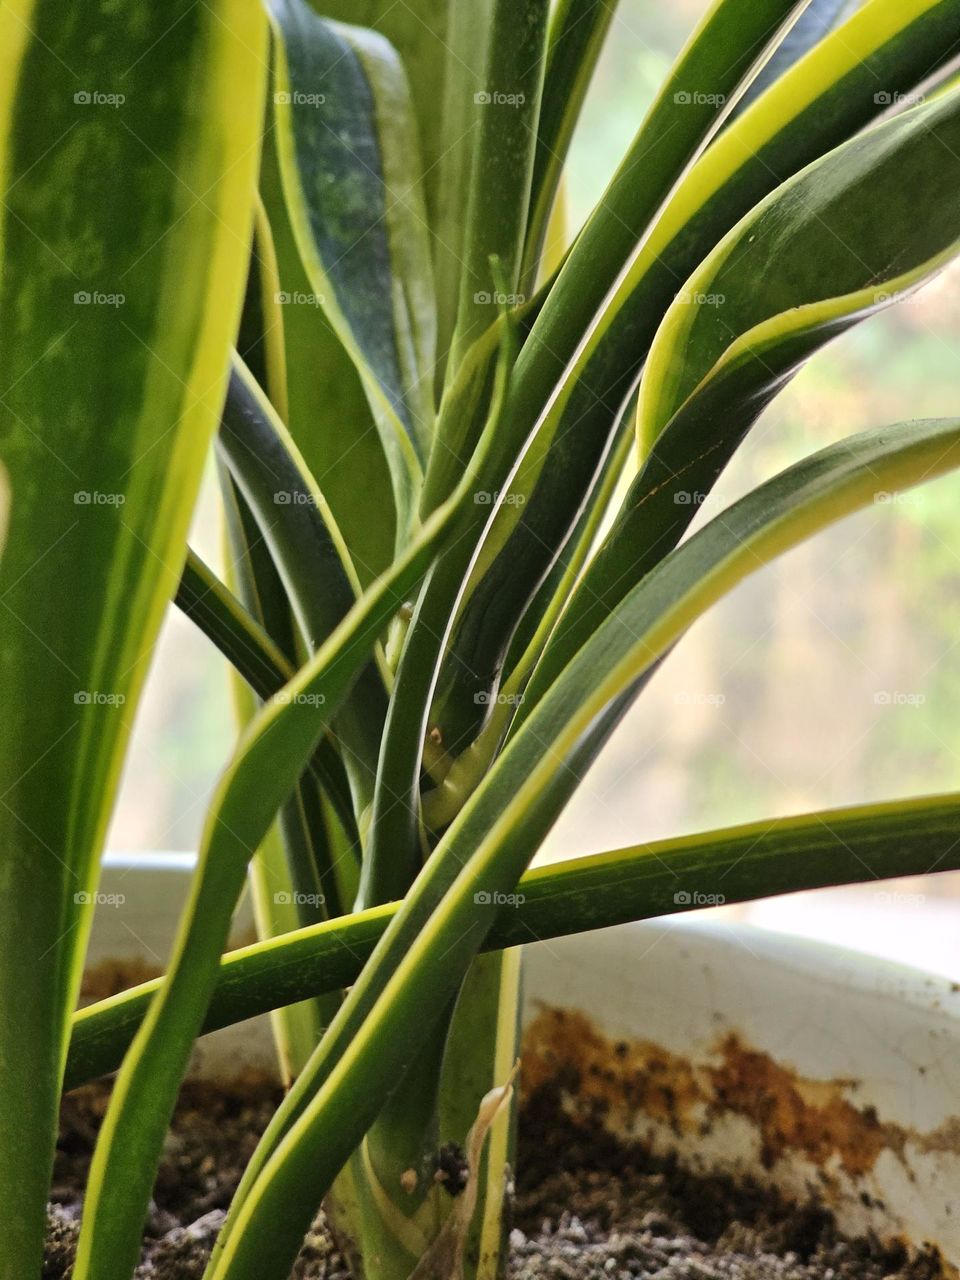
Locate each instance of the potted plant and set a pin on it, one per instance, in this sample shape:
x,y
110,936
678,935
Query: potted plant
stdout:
x,y
322,245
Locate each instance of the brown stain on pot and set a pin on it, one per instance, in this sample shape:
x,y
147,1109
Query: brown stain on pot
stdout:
x,y
614,1079
794,1113
618,1081
110,977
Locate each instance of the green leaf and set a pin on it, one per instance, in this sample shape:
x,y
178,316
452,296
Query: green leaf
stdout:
x,y
118,301
397,842
505,112
419,30
268,762
308,551
573,398
755,860
241,639
467,41
729,41
815,22
819,103
832,245
836,243
576,35
328,413
351,178
420,961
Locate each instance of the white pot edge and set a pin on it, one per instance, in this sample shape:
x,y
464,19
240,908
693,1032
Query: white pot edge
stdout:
x,y
860,1036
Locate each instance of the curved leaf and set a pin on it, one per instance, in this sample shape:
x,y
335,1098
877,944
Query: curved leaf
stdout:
x,y
350,170
839,241
578,29
269,759
419,962
758,859
467,41
816,21
308,551
505,114
243,642
328,413
419,30
572,396
830,246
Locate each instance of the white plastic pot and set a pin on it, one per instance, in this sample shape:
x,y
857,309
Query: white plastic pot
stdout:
x,y
827,1073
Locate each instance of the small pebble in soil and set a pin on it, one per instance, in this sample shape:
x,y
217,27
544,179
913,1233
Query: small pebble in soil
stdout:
x,y
586,1207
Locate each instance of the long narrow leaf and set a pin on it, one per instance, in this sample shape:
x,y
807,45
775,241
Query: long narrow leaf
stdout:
x,y
422,956
837,243
118,301
759,859
350,168
270,758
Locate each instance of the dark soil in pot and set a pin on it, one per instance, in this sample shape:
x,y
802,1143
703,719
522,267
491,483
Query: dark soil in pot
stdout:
x,y
586,1206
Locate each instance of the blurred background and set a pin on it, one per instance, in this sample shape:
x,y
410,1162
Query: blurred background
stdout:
x,y
830,678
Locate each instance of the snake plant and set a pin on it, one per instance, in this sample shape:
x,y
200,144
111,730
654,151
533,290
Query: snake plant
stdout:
x,y
460,451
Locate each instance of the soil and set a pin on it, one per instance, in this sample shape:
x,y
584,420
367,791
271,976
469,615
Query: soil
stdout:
x,y
587,1207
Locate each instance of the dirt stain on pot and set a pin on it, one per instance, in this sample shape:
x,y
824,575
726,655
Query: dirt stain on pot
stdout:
x,y
621,1081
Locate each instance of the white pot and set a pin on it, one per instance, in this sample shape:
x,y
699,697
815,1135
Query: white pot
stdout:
x,y
813,1068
